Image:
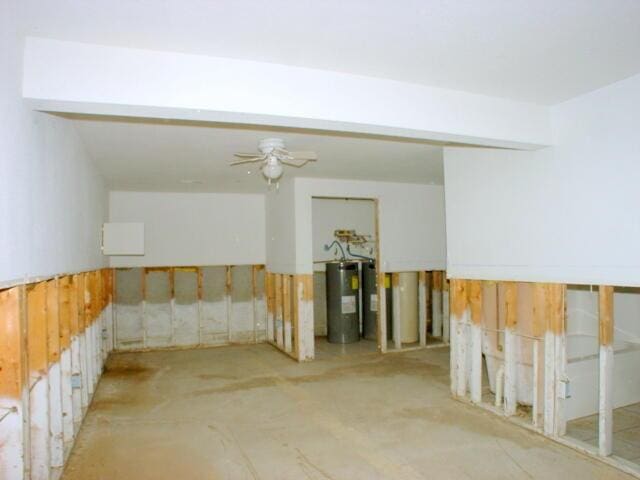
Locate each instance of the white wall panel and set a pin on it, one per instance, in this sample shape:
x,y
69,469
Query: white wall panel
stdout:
x,y
183,229
52,199
563,214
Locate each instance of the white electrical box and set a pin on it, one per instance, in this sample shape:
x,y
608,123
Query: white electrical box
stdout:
x,y
123,238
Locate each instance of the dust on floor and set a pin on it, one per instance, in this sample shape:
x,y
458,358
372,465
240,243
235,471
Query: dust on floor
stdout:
x,y
249,412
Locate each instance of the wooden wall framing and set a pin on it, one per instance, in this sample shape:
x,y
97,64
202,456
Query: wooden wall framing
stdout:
x,y
290,314
530,320
432,313
40,324
189,307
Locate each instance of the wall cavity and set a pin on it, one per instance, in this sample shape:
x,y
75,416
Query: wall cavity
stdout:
x,y
175,307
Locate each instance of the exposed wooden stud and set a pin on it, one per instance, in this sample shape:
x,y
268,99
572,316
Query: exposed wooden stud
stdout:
x,y
64,308
91,329
200,295
446,322
13,386
55,375
554,314
436,304
110,291
143,307
271,305
295,317
88,337
172,303
382,312
605,410
510,299
396,324
228,285
77,379
254,295
304,334
539,322
38,380
286,311
561,356
422,307
475,303
279,327
459,318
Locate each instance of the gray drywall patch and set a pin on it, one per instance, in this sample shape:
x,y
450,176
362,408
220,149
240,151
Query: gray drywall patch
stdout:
x,y
214,306
157,309
128,308
186,318
241,327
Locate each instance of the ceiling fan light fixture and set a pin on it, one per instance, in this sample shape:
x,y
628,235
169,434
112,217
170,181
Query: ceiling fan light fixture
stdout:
x,y
273,169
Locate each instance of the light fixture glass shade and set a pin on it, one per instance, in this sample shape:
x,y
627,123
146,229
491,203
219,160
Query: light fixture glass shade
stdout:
x,y
272,169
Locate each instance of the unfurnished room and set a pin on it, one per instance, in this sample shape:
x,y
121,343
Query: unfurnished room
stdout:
x,y
319,240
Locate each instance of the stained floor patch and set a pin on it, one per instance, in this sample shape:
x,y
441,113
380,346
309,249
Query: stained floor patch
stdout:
x,y
248,412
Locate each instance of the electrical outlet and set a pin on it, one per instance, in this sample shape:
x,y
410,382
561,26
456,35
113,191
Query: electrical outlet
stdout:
x,y
563,389
76,381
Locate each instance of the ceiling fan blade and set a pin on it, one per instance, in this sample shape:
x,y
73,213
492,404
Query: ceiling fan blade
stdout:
x,y
249,160
294,164
241,155
308,156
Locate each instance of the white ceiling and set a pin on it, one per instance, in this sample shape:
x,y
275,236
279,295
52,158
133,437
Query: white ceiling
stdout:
x,y
543,51
160,155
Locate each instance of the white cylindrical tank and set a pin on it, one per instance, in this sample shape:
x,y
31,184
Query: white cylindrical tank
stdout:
x,y
408,286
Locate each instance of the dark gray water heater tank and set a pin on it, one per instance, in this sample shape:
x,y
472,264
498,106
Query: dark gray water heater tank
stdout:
x,y
343,286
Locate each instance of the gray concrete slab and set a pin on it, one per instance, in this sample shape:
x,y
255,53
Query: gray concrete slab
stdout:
x,y
249,412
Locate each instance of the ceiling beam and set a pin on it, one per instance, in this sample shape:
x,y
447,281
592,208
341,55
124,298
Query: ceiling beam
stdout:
x,y
71,77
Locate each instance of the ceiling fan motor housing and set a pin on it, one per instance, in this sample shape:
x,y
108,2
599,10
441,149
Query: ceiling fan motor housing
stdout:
x,y
269,144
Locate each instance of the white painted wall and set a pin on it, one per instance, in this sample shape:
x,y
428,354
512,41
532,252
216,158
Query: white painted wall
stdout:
x,y
567,214
281,228
411,223
52,198
331,214
193,228
69,76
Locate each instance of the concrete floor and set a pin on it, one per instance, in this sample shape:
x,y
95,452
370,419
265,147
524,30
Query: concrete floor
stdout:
x,y
626,431
250,412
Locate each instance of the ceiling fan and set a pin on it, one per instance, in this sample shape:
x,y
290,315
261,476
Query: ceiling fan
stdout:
x,y
274,156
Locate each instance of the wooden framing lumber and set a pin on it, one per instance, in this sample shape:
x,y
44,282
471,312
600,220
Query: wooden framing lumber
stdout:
x,y
538,327
475,303
84,380
510,299
303,317
286,312
87,336
64,310
227,295
56,442
381,316
446,323
422,308
459,314
554,358
271,305
254,299
397,311
14,410
279,320
605,404
38,380
436,303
